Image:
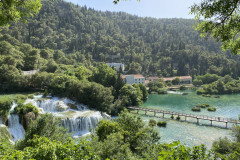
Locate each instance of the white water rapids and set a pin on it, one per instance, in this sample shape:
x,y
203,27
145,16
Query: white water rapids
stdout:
x,y
77,118
15,127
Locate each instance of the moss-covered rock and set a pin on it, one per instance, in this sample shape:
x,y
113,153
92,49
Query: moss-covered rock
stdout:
x,y
24,109
4,133
60,107
72,106
28,118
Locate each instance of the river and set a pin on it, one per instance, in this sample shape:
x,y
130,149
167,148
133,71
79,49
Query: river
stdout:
x,y
190,133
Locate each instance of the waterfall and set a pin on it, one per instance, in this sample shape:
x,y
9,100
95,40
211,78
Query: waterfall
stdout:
x,y
13,106
81,125
16,129
75,117
54,104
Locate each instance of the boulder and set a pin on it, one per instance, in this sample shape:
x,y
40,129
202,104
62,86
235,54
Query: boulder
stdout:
x,y
4,133
27,119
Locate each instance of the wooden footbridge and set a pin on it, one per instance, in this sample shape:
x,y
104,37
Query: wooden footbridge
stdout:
x,y
198,117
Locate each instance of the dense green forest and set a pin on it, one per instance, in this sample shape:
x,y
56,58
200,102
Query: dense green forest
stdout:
x,y
163,47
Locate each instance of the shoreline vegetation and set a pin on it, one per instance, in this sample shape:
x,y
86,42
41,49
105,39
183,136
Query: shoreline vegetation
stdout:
x,y
212,84
111,139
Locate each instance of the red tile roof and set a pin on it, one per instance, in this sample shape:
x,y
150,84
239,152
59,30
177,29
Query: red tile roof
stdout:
x,y
135,76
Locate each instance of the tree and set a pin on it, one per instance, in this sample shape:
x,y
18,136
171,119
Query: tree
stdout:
x,y
135,68
197,82
104,75
176,81
13,10
82,73
221,21
130,95
45,126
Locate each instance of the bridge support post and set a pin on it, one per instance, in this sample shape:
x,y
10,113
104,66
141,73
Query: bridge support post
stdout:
x,y
137,111
226,124
197,120
145,112
154,114
163,115
211,122
185,118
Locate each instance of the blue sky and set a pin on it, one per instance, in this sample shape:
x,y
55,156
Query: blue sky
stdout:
x,y
144,8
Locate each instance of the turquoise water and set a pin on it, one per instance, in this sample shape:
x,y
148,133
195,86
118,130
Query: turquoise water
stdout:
x,y
190,133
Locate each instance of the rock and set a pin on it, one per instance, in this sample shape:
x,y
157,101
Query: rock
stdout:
x,y
27,119
61,107
4,133
72,106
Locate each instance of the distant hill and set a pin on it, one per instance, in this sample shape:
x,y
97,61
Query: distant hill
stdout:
x,y
163,47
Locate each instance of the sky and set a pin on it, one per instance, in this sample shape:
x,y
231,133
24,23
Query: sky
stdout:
x,y
144,8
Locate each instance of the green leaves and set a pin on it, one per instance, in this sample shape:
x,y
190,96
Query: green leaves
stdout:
x,y
221,21
13,10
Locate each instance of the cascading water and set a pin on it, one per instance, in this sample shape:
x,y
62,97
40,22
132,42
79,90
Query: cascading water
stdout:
x,y
75,117
82,125
16,129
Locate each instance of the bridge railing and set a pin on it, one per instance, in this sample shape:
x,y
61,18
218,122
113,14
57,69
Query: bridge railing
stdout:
x,y
188,115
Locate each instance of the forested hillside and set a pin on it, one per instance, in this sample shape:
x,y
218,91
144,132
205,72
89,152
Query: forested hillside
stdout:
x,y
163,47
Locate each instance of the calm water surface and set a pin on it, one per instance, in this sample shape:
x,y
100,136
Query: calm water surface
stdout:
x,y
189,133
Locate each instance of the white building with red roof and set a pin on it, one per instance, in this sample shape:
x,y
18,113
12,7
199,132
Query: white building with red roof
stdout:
x,y
134,78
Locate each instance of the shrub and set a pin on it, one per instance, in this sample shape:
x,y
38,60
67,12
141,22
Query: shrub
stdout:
x,y
152,122
172,116
176,81
197,82
223,145
169,83
196,109
201,91
202,105
5,106
161,91
20,98
162,123
44,126
178,118
211,109
182,87
23,109
30,96
205,105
